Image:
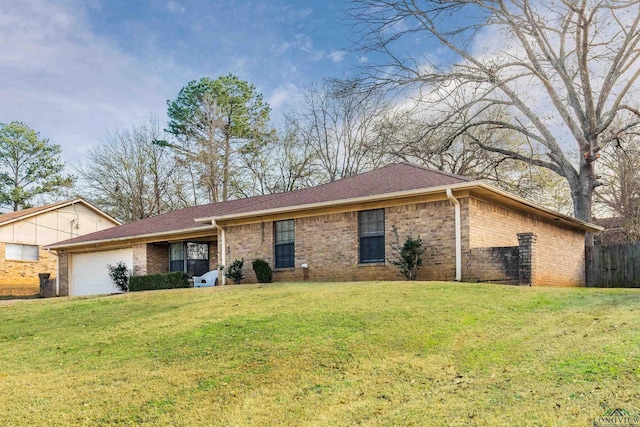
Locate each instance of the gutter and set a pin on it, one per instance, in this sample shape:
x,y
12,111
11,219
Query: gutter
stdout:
x,y
338,202
124,239
456,205
223,242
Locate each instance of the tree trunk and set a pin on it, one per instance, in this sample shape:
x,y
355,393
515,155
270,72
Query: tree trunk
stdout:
x,y
582,194
225,168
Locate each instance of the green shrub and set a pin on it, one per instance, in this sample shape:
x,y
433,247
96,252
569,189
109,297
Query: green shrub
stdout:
x,y
120,275
408,258
173,280
234,272
263,271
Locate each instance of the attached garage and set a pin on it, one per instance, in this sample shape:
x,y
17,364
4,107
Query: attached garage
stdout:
x,y
89,274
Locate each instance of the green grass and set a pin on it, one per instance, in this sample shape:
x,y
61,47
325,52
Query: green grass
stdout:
x,y
374,353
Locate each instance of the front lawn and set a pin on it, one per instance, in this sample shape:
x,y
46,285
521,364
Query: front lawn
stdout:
x,y
375,353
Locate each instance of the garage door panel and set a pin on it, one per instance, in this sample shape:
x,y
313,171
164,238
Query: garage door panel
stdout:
x,y
89,273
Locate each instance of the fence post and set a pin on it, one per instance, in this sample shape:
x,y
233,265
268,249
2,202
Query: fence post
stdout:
x,y
588,265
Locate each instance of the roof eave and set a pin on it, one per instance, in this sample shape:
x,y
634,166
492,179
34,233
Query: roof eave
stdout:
x,y
127,239
402,194
582,224
331,203
60,206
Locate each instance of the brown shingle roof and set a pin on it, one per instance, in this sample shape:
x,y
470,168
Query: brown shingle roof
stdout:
x,y
393,178
10,216
25,213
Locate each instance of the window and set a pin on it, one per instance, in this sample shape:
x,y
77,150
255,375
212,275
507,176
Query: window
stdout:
x,y
284,238
197,258
21,252
176,256
190,257
371,233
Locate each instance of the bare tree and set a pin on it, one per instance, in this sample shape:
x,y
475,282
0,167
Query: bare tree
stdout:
x,y
404,138
558,73
340,125
620,174
283,163
130,177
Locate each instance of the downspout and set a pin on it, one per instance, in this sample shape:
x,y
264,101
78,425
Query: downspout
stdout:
x,y
223,244
456,205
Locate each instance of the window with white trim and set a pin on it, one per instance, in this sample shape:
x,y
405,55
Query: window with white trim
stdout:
x,y
16,252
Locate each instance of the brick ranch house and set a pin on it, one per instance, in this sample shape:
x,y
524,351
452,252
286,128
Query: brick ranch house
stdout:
x,y
342,231
25,233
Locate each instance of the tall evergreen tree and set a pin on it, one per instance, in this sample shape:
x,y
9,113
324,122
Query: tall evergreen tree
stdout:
x,y
215,121
29,166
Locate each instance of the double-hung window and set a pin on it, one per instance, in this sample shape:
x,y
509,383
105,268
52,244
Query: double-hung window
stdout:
x,y
371,234
284,239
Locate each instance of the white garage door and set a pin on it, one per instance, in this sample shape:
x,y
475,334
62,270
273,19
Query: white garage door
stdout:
x,y
89,274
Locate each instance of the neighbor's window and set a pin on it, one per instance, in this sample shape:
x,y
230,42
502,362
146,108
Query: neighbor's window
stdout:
x,y
284,243
371,233
190,257
21,252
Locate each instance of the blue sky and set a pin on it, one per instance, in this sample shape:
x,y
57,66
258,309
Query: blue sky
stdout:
x,y
74,70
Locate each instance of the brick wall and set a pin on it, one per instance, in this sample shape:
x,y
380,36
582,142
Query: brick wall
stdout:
x,y
328,244
493,264
434,223
18,274
139,267
157,258
558,253
213,255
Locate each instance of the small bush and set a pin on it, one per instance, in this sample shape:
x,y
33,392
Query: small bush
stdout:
x,y
263,271
173,280
234,272
119,275
408,258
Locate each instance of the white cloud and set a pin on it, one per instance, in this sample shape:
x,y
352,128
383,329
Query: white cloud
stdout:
x,y
283,95
289,14
64,81
302,43
337,55
175,7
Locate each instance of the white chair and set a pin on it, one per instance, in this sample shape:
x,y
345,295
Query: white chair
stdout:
x,y
207,279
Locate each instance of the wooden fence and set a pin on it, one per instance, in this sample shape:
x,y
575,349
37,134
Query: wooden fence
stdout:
x,y
613,266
